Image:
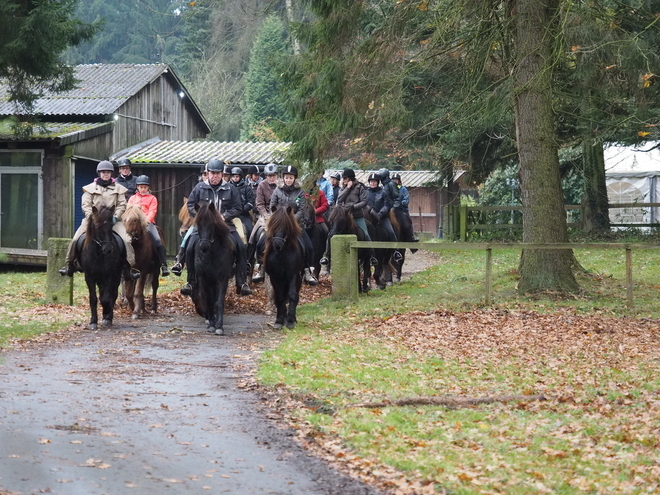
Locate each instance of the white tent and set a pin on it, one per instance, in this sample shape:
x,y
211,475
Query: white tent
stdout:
x,y
631,175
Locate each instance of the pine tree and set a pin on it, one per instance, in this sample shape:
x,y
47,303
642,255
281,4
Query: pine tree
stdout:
x,y
263,103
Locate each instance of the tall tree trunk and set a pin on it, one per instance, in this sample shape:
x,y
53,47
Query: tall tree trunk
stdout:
x,y
544,220
596,205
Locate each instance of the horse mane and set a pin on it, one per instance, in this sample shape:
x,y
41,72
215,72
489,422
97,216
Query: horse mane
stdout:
x,y
208,214
184,214
100,216
283,220
134,212
341,220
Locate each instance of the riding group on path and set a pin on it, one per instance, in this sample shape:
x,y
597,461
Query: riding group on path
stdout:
x,y
289,241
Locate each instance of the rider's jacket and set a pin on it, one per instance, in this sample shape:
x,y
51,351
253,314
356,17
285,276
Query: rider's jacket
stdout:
x,y
389,186
326,186
264,193
95,195
320,206
248,196
147,202
226,198
378,201
355,197
254,183
404,195
129,182
292,196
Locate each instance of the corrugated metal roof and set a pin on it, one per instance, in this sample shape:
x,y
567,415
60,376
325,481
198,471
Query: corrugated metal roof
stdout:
x,y
198,152
409,178
66,132
102,89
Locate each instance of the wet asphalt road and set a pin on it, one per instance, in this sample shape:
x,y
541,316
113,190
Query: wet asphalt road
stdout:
x,y
150,407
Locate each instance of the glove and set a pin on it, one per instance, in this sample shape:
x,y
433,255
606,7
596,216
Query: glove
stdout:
x,y
249,207
114,220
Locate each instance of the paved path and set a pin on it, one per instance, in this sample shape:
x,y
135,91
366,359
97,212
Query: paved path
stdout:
x,y
150,407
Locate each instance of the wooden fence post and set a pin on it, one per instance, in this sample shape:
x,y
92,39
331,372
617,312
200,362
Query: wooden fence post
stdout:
x,y
344,268
629,279
489,269
463,219
59,289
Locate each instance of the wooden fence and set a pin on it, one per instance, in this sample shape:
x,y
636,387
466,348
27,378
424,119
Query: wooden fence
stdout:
x,y
467,219
345,248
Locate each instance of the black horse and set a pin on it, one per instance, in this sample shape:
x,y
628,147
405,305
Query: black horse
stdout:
x,y
341,222
213,253
387,266
102,261
284,262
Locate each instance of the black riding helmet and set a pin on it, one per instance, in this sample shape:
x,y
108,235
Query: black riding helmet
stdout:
x,y
214,165
124,162
290,169
373,176
142,180
237,171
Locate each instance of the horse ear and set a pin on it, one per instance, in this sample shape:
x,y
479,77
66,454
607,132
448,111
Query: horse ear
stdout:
x,y
212,206
196,206
95,210
273,208
288,209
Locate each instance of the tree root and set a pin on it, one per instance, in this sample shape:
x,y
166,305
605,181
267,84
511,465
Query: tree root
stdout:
x,y
451,402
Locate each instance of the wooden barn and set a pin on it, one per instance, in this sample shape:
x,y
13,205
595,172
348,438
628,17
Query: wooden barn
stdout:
x,y
114,108
174,168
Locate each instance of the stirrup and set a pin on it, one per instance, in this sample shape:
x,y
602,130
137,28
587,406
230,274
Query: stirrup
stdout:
x,y
177,268
397,256
373,261
186,290
67,271
134,273
164,271
324,261
245,290
259,277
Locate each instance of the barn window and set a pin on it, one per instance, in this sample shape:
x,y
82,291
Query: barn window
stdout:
x,y
21,199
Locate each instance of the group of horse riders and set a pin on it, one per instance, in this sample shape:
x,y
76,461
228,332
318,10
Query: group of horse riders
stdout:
x,y
239,199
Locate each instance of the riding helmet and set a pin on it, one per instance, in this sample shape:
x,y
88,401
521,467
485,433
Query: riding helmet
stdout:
x,y
396,175
214,165
237,171
270,169
252,170
374,176
143,179
335,175
105,165
348,174
227,170
384,173
123,162
290,169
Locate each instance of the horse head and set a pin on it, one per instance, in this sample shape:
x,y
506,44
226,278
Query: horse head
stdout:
x,y
341,221
185,218
210,225
135,222
283,228
99,228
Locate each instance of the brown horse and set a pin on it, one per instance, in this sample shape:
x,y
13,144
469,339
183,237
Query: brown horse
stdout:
x,y
185,218
146,260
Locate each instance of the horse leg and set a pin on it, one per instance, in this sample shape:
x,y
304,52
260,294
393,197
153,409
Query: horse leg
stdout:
x,y
138,297
128,287
108,298
293,295
155,283
280,305
220,308
93,302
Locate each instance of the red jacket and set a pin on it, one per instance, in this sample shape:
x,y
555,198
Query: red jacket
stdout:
x,y
321,205
148,203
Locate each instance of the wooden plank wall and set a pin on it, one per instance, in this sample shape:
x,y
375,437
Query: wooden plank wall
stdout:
x,y
428,199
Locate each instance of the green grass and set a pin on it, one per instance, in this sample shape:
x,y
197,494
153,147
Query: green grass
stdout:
x,y
597,434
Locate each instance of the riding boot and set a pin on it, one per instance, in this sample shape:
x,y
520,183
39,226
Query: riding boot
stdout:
x,y
163,260
130,273
180,261
259,277
309,277
324,260
67,270
187,288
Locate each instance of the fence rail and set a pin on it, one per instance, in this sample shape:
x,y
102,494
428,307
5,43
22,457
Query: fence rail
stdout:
x,y
345,247
462,215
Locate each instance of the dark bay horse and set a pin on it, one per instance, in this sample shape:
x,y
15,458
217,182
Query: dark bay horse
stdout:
x,y
385,268
341,222
185,218
102,260
146,260
213,253
284,262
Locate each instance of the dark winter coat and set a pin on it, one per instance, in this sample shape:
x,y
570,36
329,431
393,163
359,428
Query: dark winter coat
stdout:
x,y
378,202
226,198
355,197
292,196
248,196
392,191
129,182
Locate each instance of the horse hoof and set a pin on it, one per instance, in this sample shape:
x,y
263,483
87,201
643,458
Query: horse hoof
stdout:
x,y
276,325
220,331
135,316
106,323
388,284
290,324
93,326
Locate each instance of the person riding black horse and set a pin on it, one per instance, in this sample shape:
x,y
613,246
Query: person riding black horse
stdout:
x,y
265,191
392,190
289,193
104,191
379,205
227,200
248,198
